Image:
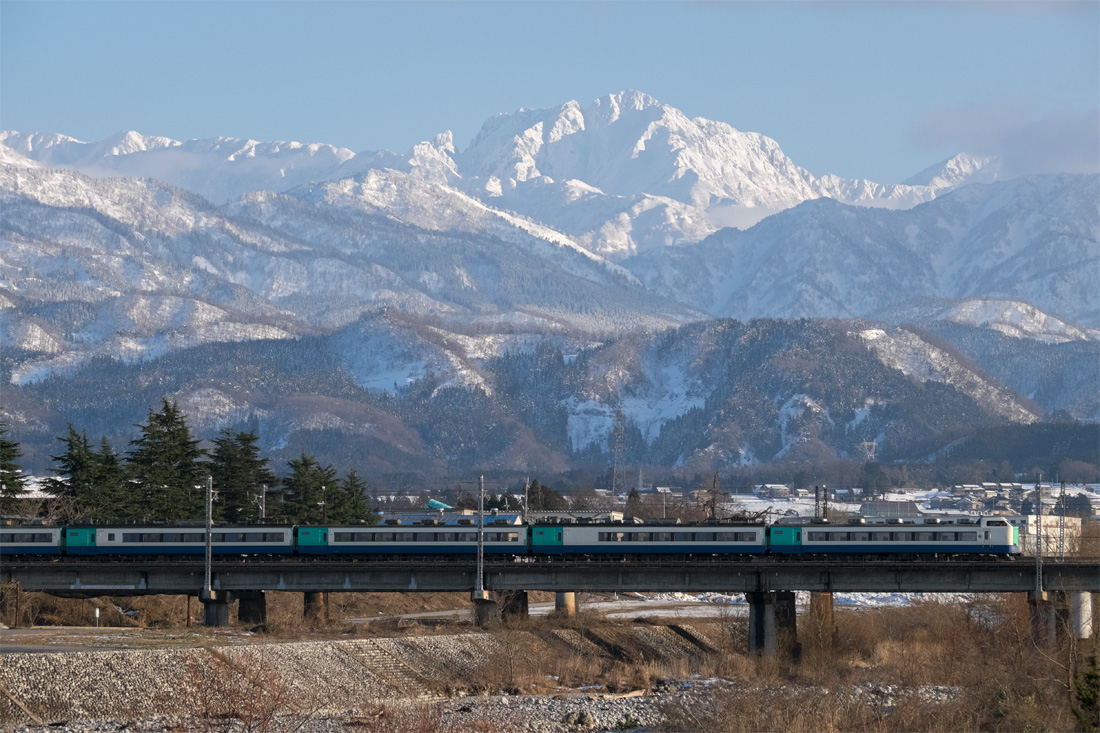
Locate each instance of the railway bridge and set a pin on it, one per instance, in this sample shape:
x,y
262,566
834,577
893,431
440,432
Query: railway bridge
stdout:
x,y
768,582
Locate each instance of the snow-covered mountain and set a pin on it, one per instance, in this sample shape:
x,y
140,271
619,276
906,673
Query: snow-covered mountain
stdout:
x,y
495,305
1035,239
625,175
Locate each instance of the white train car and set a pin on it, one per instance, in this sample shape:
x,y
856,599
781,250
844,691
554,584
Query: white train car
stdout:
x,y
145,540
647,539
977,535
411,540
40,540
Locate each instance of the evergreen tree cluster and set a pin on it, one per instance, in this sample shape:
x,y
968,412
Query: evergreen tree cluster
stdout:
x,y
163,475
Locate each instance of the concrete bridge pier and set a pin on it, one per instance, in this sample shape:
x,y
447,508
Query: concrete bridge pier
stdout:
x,y
565,603
513,604
786,625
252,607
215,608
1080,615
773,624
486,610
1044,619
762,637
315,606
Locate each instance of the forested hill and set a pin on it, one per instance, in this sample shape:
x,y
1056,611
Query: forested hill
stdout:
x,y
424,402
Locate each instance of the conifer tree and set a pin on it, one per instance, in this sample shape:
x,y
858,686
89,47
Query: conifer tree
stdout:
x,y
349,504
543,498
306,491
112,498
74,470
13,484
164,463
239,474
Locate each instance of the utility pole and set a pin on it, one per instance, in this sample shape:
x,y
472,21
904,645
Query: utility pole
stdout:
x,y
1039,538
526,488
618,479
480,595
481,534
209,534
1062,526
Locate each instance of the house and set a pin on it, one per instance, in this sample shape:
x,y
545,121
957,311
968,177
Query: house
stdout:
x,y
890,509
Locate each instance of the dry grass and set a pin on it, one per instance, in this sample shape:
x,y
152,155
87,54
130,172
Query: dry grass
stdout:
x,y
982,650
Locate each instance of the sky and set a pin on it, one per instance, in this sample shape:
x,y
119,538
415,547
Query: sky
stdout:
x,y
877,90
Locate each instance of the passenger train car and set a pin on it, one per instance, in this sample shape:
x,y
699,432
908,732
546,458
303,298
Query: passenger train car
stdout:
x,y
971,535
647,539
164,540
976,535
410,540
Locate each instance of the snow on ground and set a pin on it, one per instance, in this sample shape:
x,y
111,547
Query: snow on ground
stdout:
x,y
802,598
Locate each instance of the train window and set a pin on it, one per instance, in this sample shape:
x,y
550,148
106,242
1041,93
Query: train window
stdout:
x,y
704,536
25,537
682,536
110,536
839,536
902,536
662,537
610,537
725,536
923,536
880,536
817,536
466,536
642,536
425,537
997,523
947,536
968,536
861,536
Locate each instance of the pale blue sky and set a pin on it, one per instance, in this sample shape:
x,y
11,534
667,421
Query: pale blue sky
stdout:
x,y
869,89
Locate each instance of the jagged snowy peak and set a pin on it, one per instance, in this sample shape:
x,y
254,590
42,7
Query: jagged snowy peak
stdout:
x,y
624,175
957,171
628,147
1033,239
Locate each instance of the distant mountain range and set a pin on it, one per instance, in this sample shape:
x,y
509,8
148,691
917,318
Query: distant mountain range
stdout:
x,y
600,233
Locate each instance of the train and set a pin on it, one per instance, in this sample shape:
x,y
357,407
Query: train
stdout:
x,y
985,535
